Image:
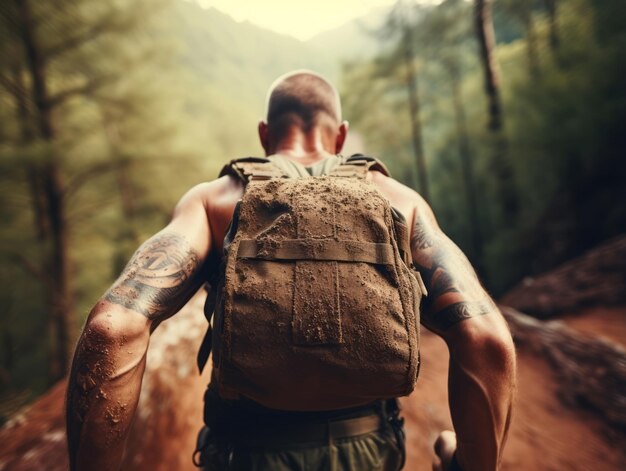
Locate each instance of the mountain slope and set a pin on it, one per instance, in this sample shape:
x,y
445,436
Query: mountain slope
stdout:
x,y
218,76
238,55
355,39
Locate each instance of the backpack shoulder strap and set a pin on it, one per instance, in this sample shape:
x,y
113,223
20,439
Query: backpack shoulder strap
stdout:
x,y
372,163
213,276
357,165
248,169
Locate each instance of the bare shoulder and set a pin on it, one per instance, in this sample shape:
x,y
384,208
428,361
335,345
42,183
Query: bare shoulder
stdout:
x,y
214,192
390,184
400,196
217,199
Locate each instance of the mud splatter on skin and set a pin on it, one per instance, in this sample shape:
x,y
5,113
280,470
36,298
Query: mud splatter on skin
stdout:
x,y
94,368
96,391
115,413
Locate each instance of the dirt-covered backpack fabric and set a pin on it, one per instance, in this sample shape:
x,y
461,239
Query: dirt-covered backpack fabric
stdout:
x,y
317,306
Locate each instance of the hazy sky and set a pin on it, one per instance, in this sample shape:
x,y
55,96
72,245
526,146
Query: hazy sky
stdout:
x,y
298,18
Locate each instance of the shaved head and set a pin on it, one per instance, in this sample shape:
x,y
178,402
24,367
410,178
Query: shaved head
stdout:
x,y
303,99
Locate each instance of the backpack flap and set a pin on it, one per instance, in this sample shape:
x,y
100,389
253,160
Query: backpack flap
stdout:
x,y
317,308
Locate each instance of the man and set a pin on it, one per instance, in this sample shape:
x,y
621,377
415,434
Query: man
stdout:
x,y
304,127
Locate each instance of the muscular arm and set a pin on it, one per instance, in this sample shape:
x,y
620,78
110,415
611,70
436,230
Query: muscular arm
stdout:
x,y
110,358
481,378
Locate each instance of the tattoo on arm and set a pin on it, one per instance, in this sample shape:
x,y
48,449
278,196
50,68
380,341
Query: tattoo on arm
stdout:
x,y
458,312
159,278
454,292
421,238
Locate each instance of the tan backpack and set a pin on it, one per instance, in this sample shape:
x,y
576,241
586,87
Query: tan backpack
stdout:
x,y
316,305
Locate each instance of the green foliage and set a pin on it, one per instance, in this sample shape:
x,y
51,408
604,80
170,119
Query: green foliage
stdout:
x,y
562,123
154,97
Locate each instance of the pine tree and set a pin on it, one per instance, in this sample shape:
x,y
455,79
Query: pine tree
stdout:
x,y
64,54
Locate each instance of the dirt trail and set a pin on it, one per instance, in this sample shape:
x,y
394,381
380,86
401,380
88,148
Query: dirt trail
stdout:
x,y
595,278
167,421
545,435
606,322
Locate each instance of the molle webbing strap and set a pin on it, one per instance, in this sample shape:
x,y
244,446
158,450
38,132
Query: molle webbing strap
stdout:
x,y
402,237
350,170
318,249
209,307
207,341
205,348
250,169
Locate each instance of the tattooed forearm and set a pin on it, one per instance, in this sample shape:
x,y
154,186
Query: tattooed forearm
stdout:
x,y
454,292
450,315
421,238
441,282
159,278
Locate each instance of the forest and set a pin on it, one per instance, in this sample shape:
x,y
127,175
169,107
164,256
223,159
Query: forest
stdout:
x,y
507,116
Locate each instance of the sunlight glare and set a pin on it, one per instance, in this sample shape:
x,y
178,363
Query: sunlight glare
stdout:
x,y
302,20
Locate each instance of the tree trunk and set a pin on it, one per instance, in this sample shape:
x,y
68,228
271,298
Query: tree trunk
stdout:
x,y
505,189
555,40
33,173
60,302
7,355
486,41
8,347
414,110
128,239
467,165
124,185
531,42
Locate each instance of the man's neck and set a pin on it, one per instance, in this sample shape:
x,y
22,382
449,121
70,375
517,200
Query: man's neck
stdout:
x,y
306,149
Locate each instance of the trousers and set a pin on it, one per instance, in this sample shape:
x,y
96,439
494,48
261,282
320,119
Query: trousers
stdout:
x,y
375,451
243,436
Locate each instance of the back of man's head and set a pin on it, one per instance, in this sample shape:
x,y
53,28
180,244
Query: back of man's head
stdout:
x,y
302,99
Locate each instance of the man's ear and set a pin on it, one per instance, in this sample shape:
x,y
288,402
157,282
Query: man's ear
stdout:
x,y
264,137
341,136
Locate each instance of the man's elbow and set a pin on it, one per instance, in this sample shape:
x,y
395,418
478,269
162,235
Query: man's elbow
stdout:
x,y
497,350
111,325
486,341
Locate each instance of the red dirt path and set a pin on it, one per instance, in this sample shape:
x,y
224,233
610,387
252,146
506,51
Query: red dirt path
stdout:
x,y
545,434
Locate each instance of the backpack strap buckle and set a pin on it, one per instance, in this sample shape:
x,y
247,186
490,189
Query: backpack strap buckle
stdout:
x,y
357,166
250,169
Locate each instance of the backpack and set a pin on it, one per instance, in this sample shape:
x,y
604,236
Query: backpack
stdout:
x,y
316,305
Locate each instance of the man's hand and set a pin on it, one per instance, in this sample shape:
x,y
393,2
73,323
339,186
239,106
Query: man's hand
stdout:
x,y
445,446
